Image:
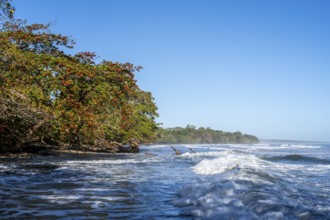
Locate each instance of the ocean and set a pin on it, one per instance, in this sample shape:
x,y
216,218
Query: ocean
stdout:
x,y
260,181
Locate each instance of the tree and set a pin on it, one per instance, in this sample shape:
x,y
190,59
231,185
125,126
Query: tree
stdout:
x,y
73,100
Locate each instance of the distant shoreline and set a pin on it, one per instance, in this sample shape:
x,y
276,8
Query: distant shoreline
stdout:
x,y
279,141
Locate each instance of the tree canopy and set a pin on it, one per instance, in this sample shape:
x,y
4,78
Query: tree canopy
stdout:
x,y
49,96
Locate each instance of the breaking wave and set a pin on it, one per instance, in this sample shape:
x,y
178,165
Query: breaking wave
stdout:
x,y
237,185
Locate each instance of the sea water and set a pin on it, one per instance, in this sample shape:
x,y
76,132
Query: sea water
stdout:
x,y
262,181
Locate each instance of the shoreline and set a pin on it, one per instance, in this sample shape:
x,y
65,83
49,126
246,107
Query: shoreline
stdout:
x,y
52,150
55,153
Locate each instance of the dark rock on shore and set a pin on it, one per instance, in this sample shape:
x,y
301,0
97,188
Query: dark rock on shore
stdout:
x,y
132,148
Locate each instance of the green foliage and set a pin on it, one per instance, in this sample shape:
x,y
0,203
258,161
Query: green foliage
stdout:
x,y
50,96
192,135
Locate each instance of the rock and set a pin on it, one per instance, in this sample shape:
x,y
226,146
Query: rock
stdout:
x,y
135,147
132,148
41,166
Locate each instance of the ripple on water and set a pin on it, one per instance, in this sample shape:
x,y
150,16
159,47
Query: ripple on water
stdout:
x,y
216,182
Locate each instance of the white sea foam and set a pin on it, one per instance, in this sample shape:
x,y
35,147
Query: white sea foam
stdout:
x,y
230,160
226,161
282,146
202,154
60,197
207,146
214,200
240,185
114,161
3,167
155,146
241,195
304,147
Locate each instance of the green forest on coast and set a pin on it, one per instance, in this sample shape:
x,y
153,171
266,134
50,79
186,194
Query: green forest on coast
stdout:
x,y
51,97
193,135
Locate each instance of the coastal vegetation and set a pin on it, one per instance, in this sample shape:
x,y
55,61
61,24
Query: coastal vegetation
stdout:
x,y
193,135
49,96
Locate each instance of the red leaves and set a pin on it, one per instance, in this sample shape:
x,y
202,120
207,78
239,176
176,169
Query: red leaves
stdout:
x,y
66,82
126,88
86,57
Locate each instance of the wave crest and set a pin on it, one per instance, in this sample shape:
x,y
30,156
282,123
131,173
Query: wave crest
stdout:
x,y
299,158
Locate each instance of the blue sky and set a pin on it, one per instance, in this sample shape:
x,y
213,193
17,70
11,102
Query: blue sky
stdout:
x,y
260,67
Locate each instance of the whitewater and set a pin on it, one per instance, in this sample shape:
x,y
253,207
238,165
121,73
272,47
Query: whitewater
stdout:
x,y
261,181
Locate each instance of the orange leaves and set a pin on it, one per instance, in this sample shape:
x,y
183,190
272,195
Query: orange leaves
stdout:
x,y
67,82
79,74
126,88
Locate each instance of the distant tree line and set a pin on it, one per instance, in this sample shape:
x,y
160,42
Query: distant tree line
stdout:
x,y
193,135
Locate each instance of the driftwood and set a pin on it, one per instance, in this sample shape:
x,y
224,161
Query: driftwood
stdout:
x,y
176,151
192,151
112,147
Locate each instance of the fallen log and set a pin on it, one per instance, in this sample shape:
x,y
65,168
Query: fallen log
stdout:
x,y
192,151
176,151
